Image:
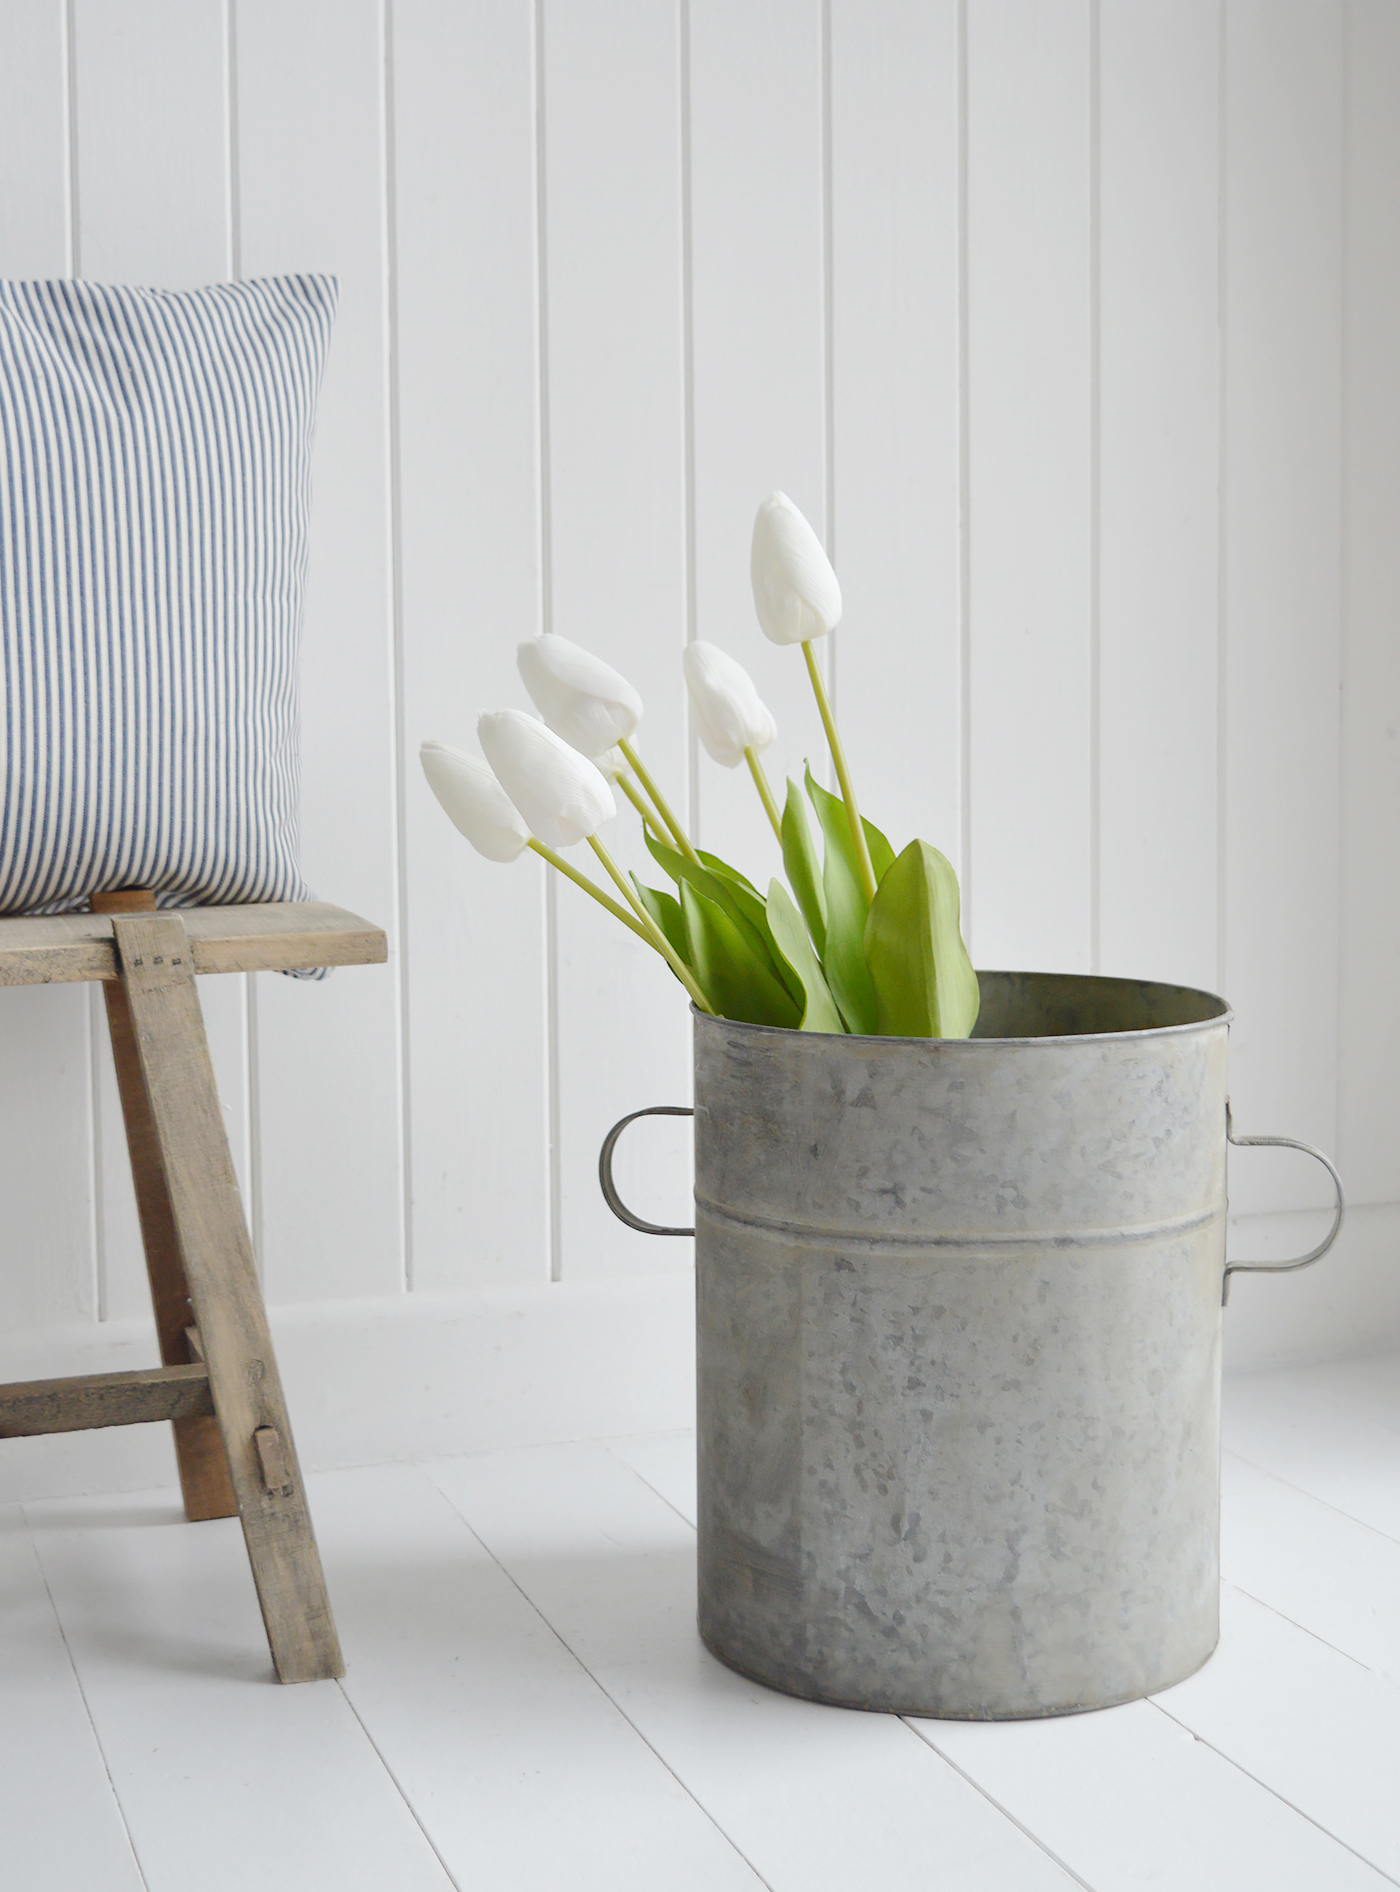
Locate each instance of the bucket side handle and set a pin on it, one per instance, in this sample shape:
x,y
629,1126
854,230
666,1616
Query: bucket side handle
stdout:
x,y
605,1175
1315,1254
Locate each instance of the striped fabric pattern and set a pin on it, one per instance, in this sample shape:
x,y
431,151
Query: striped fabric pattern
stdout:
x,y
155,455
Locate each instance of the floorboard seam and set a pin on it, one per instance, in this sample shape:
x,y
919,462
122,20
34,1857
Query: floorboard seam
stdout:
x,y
87,1707
1386,1537
1379,1675
601,1687
1283,1799
655,1490
992,1801
451,1877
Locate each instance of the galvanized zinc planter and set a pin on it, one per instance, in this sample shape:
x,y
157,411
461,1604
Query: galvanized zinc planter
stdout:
x,y
958,1327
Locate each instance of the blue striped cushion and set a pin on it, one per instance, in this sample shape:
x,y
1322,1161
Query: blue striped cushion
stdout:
x,y
154,493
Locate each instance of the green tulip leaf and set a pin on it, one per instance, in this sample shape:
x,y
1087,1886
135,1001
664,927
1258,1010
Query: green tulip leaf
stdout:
x,y
819,1011
666,911
925,985
726,872
734,979
802,866
752,907
831,807
742,904
843,959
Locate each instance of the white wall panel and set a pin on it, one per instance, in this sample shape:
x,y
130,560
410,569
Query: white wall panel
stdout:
x,y
758,336
1030,411
895,361
1282,580
1369,1149
152,190
47,1261
616,472
34,200
48,1266
1070,324
151,95
311,194
1159,422
467,357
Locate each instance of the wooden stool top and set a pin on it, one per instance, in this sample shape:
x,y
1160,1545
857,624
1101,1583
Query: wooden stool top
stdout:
x,y
282,936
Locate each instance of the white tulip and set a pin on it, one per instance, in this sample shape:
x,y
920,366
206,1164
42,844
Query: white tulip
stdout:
x,y
729,712
479,807
582,699
612,762
562,795
795,591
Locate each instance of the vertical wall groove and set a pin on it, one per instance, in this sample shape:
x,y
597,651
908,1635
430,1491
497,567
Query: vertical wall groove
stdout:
x,y
828,297
235,209
546,607
1222,678
97,1220
1344,611
394,405
70,54
828,344
234,214
1095,497
688,399
965,865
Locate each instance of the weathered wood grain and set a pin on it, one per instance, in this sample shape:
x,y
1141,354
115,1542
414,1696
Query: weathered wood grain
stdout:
x,y
199,1445
159,981
282,936
29,1407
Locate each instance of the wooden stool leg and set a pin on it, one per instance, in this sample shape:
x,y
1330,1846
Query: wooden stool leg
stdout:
x,y
199,1445
173,1054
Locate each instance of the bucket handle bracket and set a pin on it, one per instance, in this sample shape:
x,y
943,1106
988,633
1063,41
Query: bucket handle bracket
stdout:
x,y
605,1175
1315,1254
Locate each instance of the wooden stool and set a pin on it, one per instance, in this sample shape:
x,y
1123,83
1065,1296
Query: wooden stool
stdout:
x,y
218,1383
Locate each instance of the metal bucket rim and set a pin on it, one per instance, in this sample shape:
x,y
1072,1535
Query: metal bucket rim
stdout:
x,y
1223,1017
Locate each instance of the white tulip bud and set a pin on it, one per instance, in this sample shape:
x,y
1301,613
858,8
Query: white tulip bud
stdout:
x,y
612,762
562,795
794,588
582,699
479,807
729,713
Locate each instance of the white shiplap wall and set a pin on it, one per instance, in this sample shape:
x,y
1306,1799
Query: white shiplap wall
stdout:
x,y
1072,324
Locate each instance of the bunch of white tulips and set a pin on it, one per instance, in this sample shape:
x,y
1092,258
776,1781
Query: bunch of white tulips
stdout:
x,y
865,941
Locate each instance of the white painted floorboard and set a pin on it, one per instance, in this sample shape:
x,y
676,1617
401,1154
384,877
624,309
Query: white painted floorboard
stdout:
x,y
528,1706
1129,1798
1275,1700
1338,1442
1311,1563
514,1759
818,1799
49,1757
227,1780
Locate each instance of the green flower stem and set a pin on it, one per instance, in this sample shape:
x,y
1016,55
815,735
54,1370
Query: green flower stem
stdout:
x,y
663,808
765,793
642,806
654,934
582,880
843,774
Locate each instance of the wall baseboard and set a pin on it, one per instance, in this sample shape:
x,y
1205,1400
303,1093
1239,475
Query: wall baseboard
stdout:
x,y
424,1376
433,1375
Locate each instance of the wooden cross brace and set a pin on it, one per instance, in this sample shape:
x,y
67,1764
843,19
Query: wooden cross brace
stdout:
x,y
218,1382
